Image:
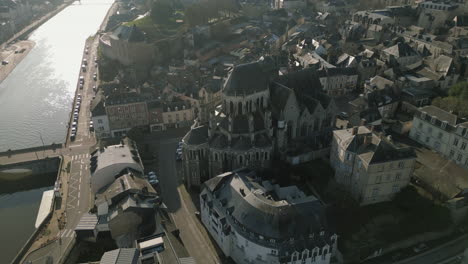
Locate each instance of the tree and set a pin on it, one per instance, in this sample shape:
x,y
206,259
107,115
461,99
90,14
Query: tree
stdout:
x,y
162,11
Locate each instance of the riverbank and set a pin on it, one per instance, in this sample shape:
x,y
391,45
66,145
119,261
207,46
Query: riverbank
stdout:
x,y
36,23
14,54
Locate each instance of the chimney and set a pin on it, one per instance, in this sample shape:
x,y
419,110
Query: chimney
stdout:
x,y
372,128
355,130
251,123
367,139
230,124
363,122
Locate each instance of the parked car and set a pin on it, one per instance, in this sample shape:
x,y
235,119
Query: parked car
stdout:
x,y
91,126
86,51
95,76
178,157
83,67
419,248
85,62
153,182
74,124
5,62
72,136
343,115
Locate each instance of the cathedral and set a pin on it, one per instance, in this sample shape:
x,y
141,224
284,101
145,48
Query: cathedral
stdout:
x,y
263,116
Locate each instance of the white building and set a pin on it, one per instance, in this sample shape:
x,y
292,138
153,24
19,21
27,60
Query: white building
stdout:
x,y
99,118
443,132
338,81
257,222
109,162
370,167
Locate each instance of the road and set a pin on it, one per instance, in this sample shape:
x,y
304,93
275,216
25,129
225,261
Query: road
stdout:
x,y
439,254
181,207
78,198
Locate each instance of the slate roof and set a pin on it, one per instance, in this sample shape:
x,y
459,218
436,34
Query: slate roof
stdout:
x,y
249,78
97,105
376,150
255,208
401,50
196,136
337,71
130,34
439,114
120,256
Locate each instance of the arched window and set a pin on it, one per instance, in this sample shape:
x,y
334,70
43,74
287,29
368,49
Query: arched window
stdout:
x,y
240,160
261,103
257,156
216,156
231,106
239,108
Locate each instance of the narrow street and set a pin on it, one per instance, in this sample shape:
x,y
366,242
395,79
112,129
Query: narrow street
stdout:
x,y
181,207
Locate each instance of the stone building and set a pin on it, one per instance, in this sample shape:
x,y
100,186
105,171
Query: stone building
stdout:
x,y
127,45
370,167
258,222
443,132
261,116
126,111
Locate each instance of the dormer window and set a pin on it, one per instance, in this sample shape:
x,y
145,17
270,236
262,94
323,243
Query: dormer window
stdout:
x,y
444,124
433,120
423,115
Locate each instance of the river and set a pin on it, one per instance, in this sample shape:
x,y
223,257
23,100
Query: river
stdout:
x,y
36,98
35,101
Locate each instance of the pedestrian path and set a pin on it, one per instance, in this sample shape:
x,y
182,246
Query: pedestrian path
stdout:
x,y
67,233
80,156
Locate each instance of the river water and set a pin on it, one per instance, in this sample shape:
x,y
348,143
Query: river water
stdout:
x,y
36,98
35,101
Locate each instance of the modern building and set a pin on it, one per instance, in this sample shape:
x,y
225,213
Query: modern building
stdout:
x,y
258,222
443,132
370,167
121,256
261,116
126,208
109,162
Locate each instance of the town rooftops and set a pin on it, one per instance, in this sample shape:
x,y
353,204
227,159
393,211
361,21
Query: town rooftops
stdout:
x,y
370,147
125,98
121,256
127,183
401,50
439,114
116,154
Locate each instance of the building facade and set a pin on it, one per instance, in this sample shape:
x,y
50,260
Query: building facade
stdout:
x,y
125,112
338,81
369,166
258,222
261,116
443,132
